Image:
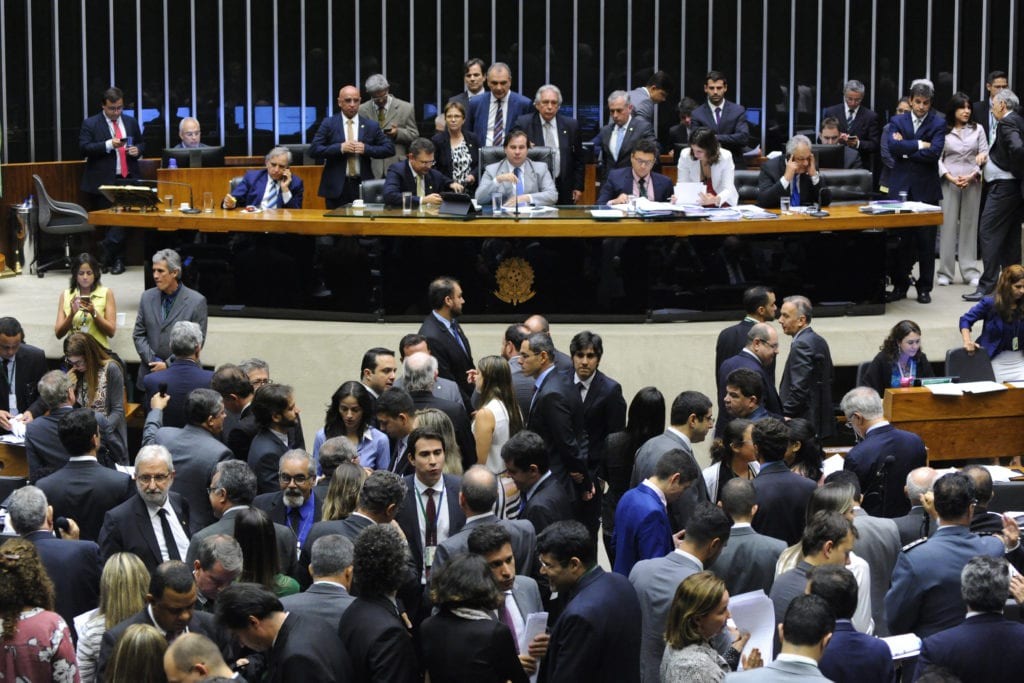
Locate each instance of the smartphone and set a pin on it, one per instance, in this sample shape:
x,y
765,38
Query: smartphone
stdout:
x,y
62,524
162,389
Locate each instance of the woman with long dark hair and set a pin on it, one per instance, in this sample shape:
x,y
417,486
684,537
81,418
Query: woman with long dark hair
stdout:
x,y
349,415
732,456
1002,334
804,455
707,163
900,359
86,305
99,381
255,535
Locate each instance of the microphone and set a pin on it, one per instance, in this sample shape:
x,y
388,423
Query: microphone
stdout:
x,y
191,203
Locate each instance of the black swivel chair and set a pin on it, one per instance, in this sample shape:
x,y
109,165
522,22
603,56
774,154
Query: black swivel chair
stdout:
x,y
969,368
58,218
491,155
372,191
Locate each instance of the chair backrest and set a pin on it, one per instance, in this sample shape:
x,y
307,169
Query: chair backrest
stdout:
x,y
862,370
233,183
372,191
300,155
494,154
976,367
44,204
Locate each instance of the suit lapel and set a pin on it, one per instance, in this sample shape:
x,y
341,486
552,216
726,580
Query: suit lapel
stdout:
x,y
145,527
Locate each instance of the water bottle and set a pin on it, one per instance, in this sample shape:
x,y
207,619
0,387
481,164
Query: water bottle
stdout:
x,y
172,163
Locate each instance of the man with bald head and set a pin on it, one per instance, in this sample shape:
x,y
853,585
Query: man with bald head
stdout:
x,y
563,361
419,371
917,523
346,142
190,134
758,355
192,658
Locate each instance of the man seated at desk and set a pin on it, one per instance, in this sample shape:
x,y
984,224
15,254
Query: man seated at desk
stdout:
x,y
794,175
190,133
272,188
417,176
637,180
518,178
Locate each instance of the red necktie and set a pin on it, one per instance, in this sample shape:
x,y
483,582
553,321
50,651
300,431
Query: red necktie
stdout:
x,y
122,152
431,521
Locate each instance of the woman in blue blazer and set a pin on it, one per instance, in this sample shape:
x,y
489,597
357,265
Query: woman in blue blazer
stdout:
x,y
1002,334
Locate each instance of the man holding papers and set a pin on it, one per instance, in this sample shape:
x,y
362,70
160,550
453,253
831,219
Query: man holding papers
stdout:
x,y
637,180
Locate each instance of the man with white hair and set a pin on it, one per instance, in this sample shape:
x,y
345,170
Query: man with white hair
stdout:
x,y
182,376
296,505
792,175
395,117
917,523
154,524
159,308
274,187
190,133
420,372
547,128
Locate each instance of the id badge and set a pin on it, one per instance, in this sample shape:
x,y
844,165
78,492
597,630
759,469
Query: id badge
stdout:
x,y
428,555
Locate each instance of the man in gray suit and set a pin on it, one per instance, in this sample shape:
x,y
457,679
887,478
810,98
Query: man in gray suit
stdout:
x,y
331,568
159,308
522,385
522,596
619,136
395,117
805,633
656,581
690,420
477,496
443,387
646,98
195,448
748,562
517,178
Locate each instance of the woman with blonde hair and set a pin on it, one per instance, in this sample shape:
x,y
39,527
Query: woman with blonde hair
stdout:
x,y
123,587
138,656
346,481
98,380
436,420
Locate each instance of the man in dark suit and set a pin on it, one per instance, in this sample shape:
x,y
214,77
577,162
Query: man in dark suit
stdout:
x,y
239,425
984,521
781,494
276,187
346,142
792,175
112,145
23,366
690,421
563,361
828,134
275,411
160,307
522,385
637,180
419,373
547,128
154,524
417,176
448,344
758,355
218,563
679,134
544,500
83,489
597,636
396,417
331,569
915,141
727,119
181,376
473,78
806,388
884,456
232,490
747,563
491,116
917,523
759,306
74,566
619,137
986,645
859,127
295,505
170,608
981,111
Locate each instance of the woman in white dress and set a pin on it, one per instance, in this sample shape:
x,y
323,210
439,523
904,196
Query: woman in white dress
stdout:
x,y
497,420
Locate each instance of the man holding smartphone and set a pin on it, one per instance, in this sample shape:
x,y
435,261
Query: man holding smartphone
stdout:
x,y
273,188
859,127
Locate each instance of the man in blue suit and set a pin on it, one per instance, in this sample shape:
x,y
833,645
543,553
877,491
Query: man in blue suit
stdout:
x,y
986,646
637,179
181,376
758,355
781,494
642,530
273,188
417,176
492,115
916,139
727,119
346,142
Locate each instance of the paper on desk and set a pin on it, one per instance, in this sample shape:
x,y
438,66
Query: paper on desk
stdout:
x,y
903,646
536,624
983,387
644,204
13,439
18,429
1001,474
606,213
527,210
754,613
752,211
689,193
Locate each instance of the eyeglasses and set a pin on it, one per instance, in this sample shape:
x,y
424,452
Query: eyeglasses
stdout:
x,y
643,162
297,478
260,382
549,565
211,489
150,478
77,363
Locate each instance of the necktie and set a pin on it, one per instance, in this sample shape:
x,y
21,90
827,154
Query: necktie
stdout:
x,y
583,391
917,123
520,189
353,165
419,185
166,303
7,379
718,116
551,140
617,142
272,194
457,333
294,519
993,124
380,116
794,197
641,186
430,535
165,527
506,618
849,119
499,125
122,151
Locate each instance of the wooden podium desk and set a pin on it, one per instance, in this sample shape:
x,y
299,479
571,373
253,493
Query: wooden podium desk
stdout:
x,y
960,427
218,180
13,462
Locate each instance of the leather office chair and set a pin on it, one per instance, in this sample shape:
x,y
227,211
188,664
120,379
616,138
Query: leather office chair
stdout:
x,y
300,155
233,183
58,218
862,370
372,191
968,368
492,155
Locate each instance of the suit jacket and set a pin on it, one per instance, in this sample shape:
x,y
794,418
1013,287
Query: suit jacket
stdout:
x,y
443,154
852,657
1008,150
84,490
912,525
620,181
878,542
521,384
778,672
101,165
479,107
324,600
399,113
782,498
866,126
557,416
636,129
980,113
273,505
993,327
305,651
250,191
732,130
400,178
127,528
238,432
537,182
642,529
655,582
916,170
201,622
452,361
327,143
806,388
348,527
524,542
152,333
647,457
377,640
285,538
264,456
46,454
747,562
29,368
744,359
604,413
925,594
769,186
723,175
527,596
571,167
408,518
460,421
458,649
643,105
548,503
181,377
75,568
444,388
597,637
867,457
984,647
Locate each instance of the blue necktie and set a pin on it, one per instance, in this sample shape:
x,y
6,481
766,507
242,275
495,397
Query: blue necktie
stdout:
x,y
520,188
794,199
272,195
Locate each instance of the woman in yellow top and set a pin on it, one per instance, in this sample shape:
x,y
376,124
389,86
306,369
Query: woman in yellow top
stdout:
x,y
86,306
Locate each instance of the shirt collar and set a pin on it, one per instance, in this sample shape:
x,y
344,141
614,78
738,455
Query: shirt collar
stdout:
x,y
880,423
661,494
585,382
741,525
788,657
692,558
485,515
678,433
421,487
443,320
541,376
83,458
529,492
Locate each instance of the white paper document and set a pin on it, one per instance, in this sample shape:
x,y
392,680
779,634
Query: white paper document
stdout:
x,y
536,624
688,193
754,613
983,387
903,646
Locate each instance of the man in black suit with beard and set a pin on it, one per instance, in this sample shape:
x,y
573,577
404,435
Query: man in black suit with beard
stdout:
x,y
547,128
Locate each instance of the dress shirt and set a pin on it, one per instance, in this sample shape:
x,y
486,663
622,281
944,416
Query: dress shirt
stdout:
x,y
692,558
787,657
447,324
648,186
117,130
551,140
585,383
180,537
155,624
880,424
441,506
285,195
83,458
491,110
528,493
815,179
962,146
659,492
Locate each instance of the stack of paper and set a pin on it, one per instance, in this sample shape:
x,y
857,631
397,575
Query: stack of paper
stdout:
x,y
754,613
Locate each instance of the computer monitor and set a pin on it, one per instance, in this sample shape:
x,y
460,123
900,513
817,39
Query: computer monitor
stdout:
x,y
829,156
194,158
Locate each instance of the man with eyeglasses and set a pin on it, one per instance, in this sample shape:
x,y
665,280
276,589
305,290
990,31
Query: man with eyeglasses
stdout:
x,y
758,355
21,367
154,524
794,175
637,180
296,505
418,177
190,134
258,372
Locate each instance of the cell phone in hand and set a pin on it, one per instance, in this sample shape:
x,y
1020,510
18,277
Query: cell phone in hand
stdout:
x,y
162,389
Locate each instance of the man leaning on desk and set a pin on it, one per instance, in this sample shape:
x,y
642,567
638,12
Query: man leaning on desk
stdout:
x,y
417,176
271,188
